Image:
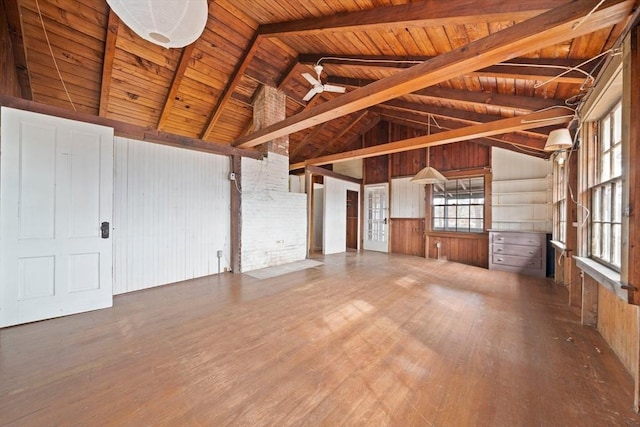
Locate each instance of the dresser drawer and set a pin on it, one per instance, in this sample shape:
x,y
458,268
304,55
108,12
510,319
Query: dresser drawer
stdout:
x,y
518,250
523,239
517,261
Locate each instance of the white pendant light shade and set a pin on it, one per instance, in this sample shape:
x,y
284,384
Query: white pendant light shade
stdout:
x,y
559,139
428,175
168,23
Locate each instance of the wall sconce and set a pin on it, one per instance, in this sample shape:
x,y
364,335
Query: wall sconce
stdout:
x,y
559,139
168,23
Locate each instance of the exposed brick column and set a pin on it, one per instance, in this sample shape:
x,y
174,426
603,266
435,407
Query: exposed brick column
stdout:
x,y
269,107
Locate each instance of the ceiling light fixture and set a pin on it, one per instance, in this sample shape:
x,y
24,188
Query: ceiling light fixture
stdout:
x,y
559,139
168,23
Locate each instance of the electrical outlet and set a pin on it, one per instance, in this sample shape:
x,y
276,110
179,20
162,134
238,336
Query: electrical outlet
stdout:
x,y
219,254
232,176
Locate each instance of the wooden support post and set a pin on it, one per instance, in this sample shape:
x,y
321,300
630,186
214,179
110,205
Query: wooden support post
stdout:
x,y
571,272
589,301
630,273
236,214
308,183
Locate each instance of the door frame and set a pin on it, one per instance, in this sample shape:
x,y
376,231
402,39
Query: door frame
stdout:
x,y
375,245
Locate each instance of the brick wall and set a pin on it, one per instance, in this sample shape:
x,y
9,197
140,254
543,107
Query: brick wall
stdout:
x,y
270,107
274,221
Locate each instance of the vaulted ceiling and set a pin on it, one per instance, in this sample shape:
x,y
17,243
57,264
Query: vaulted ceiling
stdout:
x,y
462,69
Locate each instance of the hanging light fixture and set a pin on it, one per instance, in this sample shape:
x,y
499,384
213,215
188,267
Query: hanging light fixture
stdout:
x,y
168,23
559,139
428,175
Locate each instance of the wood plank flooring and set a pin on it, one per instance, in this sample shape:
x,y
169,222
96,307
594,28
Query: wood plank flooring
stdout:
x,y
364,339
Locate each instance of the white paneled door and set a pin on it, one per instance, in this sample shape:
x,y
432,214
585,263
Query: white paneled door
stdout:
x,y
56,192
376,226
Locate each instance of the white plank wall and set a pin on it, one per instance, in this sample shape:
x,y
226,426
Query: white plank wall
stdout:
x,y
171,214
407,199
335,214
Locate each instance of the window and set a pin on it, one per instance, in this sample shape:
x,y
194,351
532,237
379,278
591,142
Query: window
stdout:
x,y
560,233
458,205
606,195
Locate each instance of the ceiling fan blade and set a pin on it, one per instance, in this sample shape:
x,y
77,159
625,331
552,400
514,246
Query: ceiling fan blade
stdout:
x,y
333,88
313,91
310,79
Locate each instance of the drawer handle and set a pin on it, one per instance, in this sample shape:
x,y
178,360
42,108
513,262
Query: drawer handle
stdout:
x,y
499,259
499,249
531,241
531,252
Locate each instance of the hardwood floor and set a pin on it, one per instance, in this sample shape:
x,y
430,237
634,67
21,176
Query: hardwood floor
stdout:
x,y
369,339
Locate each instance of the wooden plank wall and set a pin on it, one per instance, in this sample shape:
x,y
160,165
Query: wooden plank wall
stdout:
x,y
618,324
456,160
9,84
410,235
171,214
472,249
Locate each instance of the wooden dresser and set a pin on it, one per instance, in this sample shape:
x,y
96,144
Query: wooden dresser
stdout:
x,y
522,252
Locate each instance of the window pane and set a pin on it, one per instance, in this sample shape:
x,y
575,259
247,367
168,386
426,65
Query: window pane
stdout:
x,y
616,245
616,169
451,224
463,211
617,124
606,242
617,202
476,224
438,211
605,173
606,204
606,134
451,211
477,211
596,233
597,199
438,224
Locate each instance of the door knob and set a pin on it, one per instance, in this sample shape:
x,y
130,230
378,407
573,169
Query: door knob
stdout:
x,y
104,230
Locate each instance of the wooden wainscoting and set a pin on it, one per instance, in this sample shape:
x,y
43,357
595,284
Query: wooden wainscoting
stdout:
x,y
470,248
407,236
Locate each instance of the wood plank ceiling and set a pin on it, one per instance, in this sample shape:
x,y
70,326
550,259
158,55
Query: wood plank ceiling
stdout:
x,y
206,90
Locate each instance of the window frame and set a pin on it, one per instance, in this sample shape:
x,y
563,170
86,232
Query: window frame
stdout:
x,y
606,191
438,190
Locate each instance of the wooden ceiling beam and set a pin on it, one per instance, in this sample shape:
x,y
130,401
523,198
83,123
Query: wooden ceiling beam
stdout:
x,y
14,21
178,75
466,117
234,80
128,130
517,138
537,69
538,32
419,14
555,116
529,148
113,25
521,104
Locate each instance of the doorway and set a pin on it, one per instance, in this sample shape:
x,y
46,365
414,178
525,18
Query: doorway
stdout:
x,y
376,227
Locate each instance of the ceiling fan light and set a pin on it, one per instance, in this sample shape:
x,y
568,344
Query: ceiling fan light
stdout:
x,y
168,23
559,139
428,175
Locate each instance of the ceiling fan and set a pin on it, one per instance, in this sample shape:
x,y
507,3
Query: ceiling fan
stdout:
x,y
318,87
